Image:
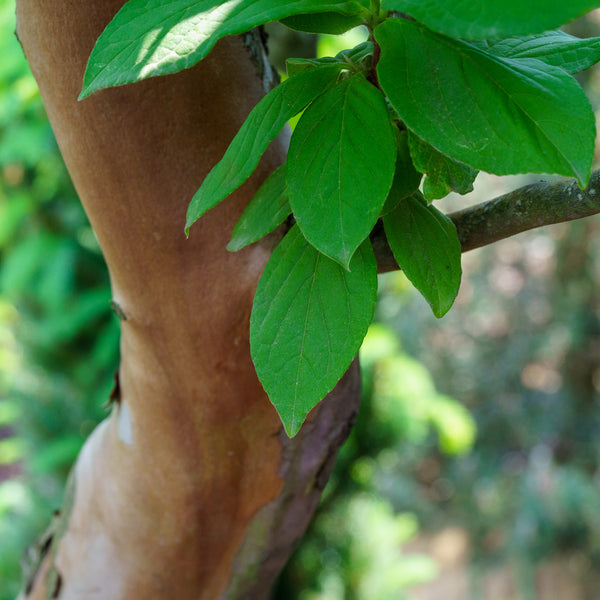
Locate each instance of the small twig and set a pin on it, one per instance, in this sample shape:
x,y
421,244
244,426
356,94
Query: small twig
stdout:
x,y
529,207
372,77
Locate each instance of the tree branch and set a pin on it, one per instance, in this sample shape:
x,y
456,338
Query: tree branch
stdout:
x,y
529,207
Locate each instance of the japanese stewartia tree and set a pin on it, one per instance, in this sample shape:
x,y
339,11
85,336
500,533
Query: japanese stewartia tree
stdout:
x,y
240,263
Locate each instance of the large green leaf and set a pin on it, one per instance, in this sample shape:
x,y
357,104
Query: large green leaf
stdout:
x,y
444,174
156,37
426,247
309,318
500,115
478,19
327,22
552,47
340,167
269,208
262,126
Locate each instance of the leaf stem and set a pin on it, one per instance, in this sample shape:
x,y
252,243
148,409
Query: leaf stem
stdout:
x,y
372,76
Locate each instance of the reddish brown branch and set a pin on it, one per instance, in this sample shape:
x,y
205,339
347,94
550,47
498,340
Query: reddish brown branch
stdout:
x,y
529,207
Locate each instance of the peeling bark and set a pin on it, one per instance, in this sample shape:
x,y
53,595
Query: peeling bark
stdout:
x,y
190,489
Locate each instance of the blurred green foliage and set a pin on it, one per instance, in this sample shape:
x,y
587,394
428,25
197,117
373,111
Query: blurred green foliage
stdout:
x,y
522,350
353,550
59,340
517,468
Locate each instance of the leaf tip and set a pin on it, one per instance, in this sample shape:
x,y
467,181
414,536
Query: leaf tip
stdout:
x,y
291,427
343,260
583,182
441,308
190,219
439,312
85,92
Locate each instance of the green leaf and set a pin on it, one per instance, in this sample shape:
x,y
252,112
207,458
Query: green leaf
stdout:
x,y
298,65
406,178
340,167
479,19
426,247
153,37
352,58
500,115
309,318
263,124
552,47
357,54
444,175
326,22
268,209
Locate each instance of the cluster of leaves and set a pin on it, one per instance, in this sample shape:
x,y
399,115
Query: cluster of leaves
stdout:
x,y
442,89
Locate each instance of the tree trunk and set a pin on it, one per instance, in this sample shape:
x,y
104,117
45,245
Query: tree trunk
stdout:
x,y
190,489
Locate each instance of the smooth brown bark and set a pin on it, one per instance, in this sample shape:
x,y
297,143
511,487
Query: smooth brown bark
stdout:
x,y
189,490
